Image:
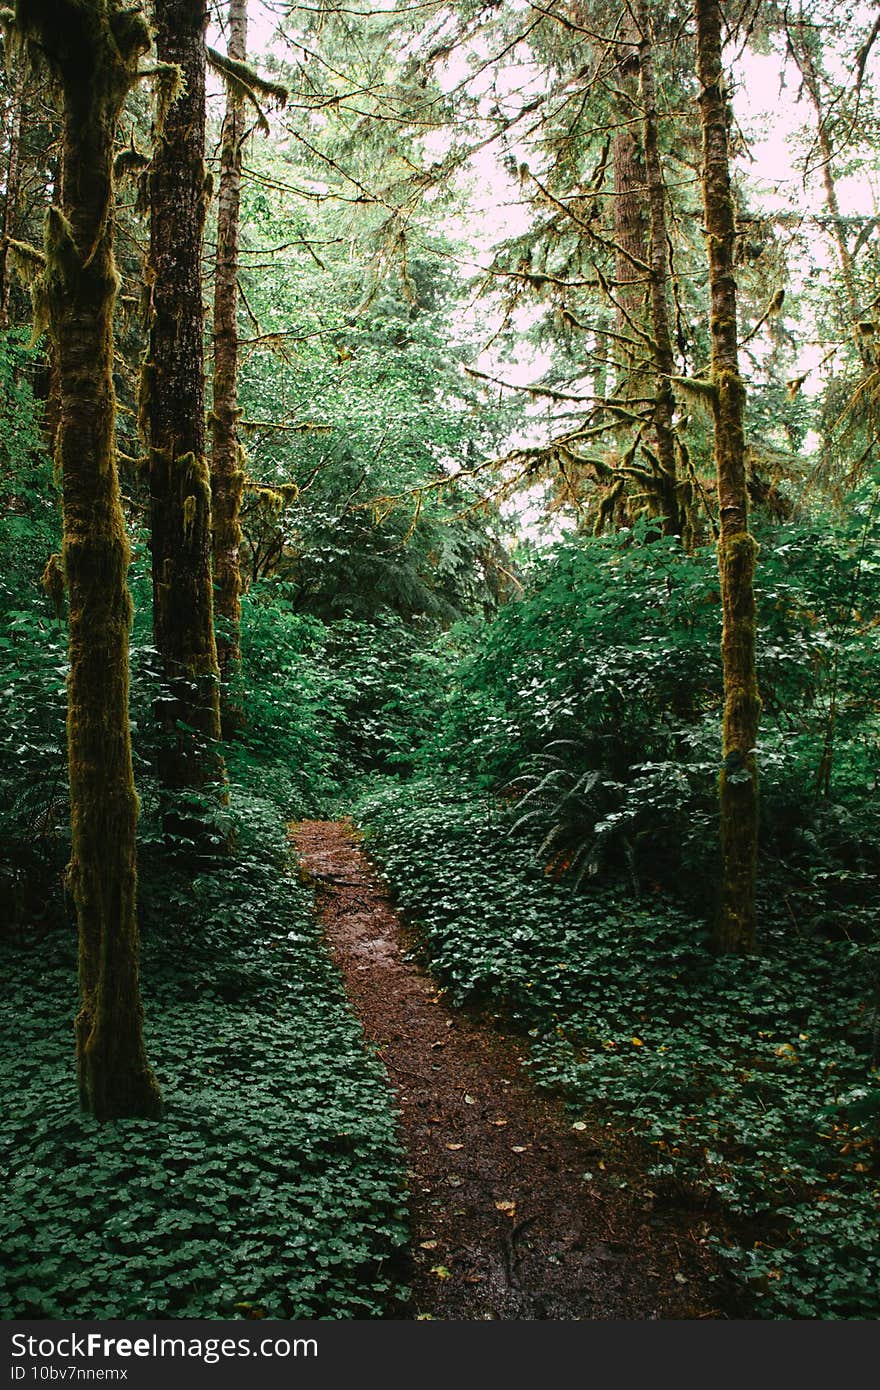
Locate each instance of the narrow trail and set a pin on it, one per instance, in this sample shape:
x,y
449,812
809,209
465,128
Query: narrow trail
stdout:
x,y
514,1214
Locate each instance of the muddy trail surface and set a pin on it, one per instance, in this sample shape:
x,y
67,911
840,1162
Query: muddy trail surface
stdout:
x,y
514,1213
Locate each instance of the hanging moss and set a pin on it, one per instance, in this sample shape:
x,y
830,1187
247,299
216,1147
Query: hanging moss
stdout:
x,y
243,78
168,87
607,503
130,161
54,583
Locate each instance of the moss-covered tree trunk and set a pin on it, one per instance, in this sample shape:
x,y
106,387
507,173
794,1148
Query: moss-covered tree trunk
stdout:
x,y
644,344
737,550
668,489
173,407
93,47
227,472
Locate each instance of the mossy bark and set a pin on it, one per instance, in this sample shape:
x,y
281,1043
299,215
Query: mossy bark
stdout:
x,y
644,345
173,410
737,551
227,455
673,498
92,48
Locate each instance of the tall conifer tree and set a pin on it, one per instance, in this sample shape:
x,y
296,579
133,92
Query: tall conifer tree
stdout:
x,y
173,408
737,550
227,473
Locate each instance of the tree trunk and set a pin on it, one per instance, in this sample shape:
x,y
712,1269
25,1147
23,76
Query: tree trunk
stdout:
x,y
806,65
668,499
173,405
227,456
10,201
641,275
93,48
737,550
630,235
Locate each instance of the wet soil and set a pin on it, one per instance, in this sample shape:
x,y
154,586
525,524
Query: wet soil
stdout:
x,y
515,1213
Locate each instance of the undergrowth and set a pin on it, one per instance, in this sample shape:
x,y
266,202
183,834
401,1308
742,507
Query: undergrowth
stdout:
x,y
750,1078
271,1187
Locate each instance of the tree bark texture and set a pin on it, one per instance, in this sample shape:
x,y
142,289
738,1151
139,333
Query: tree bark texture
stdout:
x,y
173,409
630,234
227,455
10,200
673,500
93,47
645,359
737,551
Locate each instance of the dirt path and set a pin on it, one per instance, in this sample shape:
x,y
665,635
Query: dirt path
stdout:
x,y
514,1214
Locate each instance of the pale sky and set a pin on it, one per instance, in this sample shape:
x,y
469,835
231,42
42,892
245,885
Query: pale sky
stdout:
x,y
776,125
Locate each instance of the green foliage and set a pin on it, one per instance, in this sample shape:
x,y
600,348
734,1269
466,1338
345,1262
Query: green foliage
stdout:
x,y
33,801
389,682
750,1078
33,780
593,704
288,697
356,403
273,1180
327,703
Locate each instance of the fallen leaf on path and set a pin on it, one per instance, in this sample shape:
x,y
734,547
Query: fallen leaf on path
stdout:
x,y
579,1124
441,1272
518,1148
470,1100
455,1147
498,1123
509,1208
427,1245
251,1310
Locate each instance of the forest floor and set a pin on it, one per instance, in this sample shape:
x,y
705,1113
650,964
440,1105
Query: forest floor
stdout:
x,y
515,1212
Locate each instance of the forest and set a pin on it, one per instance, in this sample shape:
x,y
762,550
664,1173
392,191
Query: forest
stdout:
x,y
440,694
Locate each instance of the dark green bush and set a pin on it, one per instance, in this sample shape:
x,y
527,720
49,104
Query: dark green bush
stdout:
x,y
593,705
273,1184
750,1078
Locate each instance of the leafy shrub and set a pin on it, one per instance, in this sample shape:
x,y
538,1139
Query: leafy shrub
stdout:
x,y
273,1184
289,702
594,704
33,795
751,1078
